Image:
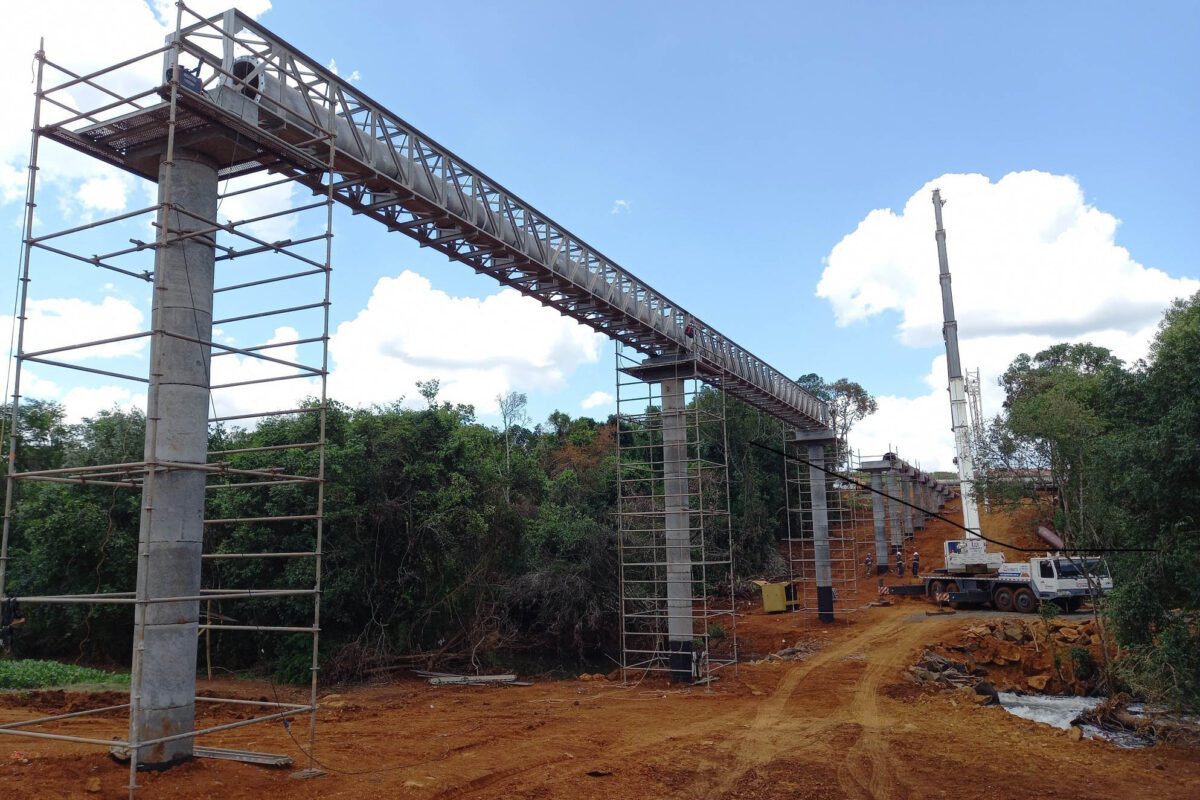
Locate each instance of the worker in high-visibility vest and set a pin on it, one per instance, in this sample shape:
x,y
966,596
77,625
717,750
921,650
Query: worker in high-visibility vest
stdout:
x,y
916,563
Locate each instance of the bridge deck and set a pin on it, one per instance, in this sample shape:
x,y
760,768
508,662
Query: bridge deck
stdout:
x,y
281,112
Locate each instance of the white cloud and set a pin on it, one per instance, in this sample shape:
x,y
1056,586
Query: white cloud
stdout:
x,y
87,401
61,321
257,397
82,35
620,207
81,401
1032,263
353,77
597,400
478,349
252,204
103,193
34,387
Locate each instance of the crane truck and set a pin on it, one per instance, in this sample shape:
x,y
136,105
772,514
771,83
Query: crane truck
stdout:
x,y
972,575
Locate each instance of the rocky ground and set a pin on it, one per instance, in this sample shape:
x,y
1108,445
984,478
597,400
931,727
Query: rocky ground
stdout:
x,y
1018,654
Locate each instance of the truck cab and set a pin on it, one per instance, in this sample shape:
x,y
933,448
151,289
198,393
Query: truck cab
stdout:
x,y
1059,578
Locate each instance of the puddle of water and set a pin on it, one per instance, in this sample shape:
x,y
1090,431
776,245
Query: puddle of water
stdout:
x,y
1059,711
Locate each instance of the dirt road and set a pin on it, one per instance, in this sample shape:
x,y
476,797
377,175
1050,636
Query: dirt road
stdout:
x,y
841,724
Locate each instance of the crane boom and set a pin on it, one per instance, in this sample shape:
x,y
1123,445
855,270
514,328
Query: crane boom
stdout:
x,y
958,389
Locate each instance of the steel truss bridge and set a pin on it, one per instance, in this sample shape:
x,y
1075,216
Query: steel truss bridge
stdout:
x,y
255,103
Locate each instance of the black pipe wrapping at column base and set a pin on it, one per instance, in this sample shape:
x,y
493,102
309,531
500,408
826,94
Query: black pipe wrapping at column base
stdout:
x,y
825,603
680,660
882,569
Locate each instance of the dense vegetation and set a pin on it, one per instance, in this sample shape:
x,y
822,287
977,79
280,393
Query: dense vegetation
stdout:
x,y
447,541
1122,444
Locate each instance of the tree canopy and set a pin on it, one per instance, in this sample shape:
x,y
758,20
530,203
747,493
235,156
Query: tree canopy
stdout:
x,y
1122,446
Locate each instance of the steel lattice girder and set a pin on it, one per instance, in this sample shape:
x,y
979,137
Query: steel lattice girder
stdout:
x,y
273,108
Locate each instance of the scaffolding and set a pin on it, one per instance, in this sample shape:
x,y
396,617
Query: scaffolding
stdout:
x,y
650,604
269,329
848,507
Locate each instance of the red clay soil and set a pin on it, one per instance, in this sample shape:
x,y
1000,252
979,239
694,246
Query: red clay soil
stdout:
x,y
841,723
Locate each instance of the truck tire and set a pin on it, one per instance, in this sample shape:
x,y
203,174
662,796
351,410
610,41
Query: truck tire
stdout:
x,y
1002,598
934,589
1025,601
951,588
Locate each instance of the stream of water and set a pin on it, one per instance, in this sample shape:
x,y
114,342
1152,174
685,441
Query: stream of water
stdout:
x,y
1059,711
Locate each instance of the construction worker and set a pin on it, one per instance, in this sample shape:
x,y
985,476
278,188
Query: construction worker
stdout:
x,y
868,562
899,554
916,563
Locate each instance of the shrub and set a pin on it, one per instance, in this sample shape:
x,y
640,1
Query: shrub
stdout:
x,y
33,674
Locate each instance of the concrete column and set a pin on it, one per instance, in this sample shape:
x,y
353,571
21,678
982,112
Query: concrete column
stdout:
x,y
906,512
881,549
820,512
170,538
917,488
894,524
680,631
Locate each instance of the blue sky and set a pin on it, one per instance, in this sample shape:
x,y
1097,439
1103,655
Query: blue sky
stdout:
x,y
747,143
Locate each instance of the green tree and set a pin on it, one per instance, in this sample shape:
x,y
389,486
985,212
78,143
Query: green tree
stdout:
x,y
1121,445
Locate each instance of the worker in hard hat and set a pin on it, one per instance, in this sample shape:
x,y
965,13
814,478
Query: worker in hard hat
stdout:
x,y
916,563
899,554
868,562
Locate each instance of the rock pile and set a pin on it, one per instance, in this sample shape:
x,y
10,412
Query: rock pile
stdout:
x,y
937,670
1026,655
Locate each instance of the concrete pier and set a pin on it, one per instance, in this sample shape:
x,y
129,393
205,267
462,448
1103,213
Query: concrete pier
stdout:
x,y
815,443
680,626
877,469
171,533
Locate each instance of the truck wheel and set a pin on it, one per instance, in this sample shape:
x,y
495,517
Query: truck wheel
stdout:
x,y
1002,598
1024,601
951,588
935,588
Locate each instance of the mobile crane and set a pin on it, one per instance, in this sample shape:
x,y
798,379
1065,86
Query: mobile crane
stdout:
x,y
971,573
974,575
